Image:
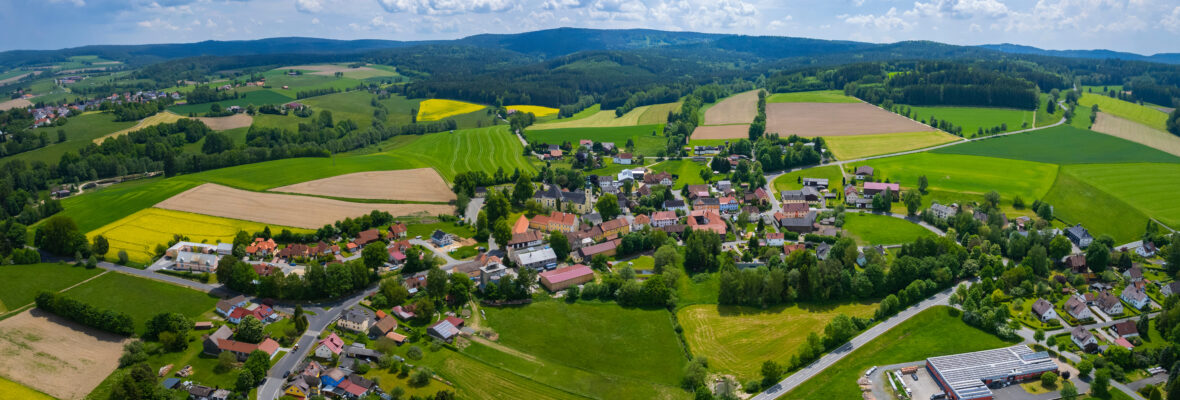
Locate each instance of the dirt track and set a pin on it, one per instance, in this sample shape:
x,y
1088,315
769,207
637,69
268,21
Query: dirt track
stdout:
x,y
283,209
422,184
737,109
56,356
835,119
721,132
1136,132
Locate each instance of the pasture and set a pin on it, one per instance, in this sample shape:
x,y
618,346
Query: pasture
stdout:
x,y
589,118
971,119
282,209
14,103
1143,186
922,336
139,233
968,174
627,342
860,146
92,209
737,340
142,298
80,131
19,284
874,229
257,98
348,72
648,139
835,119
721,132
56,356
792,180
157,119
480,149
1045,145
740,108
1137,132
687,171
1127,110
538,111
422,184
1075,201
478,380
818,96
354,105
658,113
436,109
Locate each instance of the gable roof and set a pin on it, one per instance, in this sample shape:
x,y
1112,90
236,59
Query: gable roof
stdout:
x,y
1040,307
1126,327
564,274
333,343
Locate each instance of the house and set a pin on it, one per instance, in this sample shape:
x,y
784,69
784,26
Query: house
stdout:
x,y
521,225
641,221
1135,296
1076,262
793,196
259,312
673,205
443,330
329,346
707,219
794,210
366,237
535,258
723,186
728,204
402,312
663,218
491,273
1084,339
1146,250
1170,288
398,230
818,183
227,306
695,191
196,262
303,386
706,203
1044,310
333,377
1110,304
804,224
261,247
585,143
356,319
1126,328
607,249
383,326
943,212
1079,236
864,172
354,387
873,188
775,239
1134,274
554,222
762,196
360,352
615,227
1077,308
242,349
209,342
559,279
440,238
526,240
822,250
660,178
623,159
793,247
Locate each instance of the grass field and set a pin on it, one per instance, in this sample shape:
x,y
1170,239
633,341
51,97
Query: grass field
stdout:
x,y
19,284
1062,145
858,146
648,138
159,118
589,118
481,149
80,131
791,181
10,388
479,381
1043,117
737,340
257,98
658,113
687,172
538,111
819,96
1137,132
922,336
353,105
1140,185
973,118
139,233
632,343
968,174
436,109
92,210
1075,201
1127,110
142,298
873,229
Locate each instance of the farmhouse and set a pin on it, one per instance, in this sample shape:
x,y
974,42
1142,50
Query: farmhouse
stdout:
x,y
526,239
864,172
1079,236
446,329
673,205
707,219
660,178
943,212
1135,296
775,239
967,376
1076,262
329,346
618,226
1084,339
383,326
706,203
872,188
259,312
804,224
1134,274
663,218
607,249
1170,288
398,230
623,159
819,183
227,306
219,341
695,191
1044,310
366,237
562,278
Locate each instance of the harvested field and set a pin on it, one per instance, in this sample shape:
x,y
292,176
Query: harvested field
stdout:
x,y
235,121
737,109
1136,132
721,132
159,118
167,117
422,184
15,103
283,209
835,119
56,356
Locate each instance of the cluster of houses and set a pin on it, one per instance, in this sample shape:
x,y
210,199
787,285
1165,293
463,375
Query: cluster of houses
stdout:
x,y
236,308
314,379
1081,307
45,115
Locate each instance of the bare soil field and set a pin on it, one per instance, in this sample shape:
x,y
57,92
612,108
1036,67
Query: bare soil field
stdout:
x,y
422,184
328,70
14,103
240,120
283,209
737,109
835,119
56,356
721,132
1136,132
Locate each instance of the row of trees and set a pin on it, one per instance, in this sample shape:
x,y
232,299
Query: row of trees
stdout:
x,y
86,314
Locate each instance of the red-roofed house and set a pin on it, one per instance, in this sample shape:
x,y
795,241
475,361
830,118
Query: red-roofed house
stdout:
x,y
259,311
562,278
791,248
329,346
398,230
641,221
366,237
521,225
775,238
243,349
872,188
402,312
555,221
707,219
663,218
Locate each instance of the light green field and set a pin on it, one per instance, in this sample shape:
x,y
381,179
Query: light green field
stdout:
x,y
859,146
968,174
791,181
1144,186
1075,201
1126,110
17,391
1045,145
481,149
1043,117
139,233
873,229
658,113
819,96
80,131
687,172
648,139
19,284
142,298
922,336
737,340
973,118
348,105
600,119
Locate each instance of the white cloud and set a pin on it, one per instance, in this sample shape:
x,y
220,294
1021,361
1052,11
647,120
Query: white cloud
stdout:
x,y
308,6
959,9
76,3
617,10
157,23
397,6
446,7
315,21
889,21
1172,21
210,24
779,23
552,5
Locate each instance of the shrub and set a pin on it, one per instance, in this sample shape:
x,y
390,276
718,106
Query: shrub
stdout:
x,y
414,353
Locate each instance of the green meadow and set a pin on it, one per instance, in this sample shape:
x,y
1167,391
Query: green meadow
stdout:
x,y
819,96
974,118
1043,116
1046,145
792,180
80,132
256,97
480,149
687,172
142,298
1142,114
968,174
19,284
1075,201
1149,188
648,139
873,229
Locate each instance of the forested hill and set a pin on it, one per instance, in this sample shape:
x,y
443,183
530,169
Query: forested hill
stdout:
x,y
1168,58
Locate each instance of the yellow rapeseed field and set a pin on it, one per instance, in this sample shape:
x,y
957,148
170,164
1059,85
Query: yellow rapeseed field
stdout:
x,y
436,109
139,233
538,111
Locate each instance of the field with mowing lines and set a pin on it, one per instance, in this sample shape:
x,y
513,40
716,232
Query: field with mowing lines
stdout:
x,y
595,119
818,96
257,98
737,340
1143,186
54,355
80,131
658,113
92,210
922,336
687,171
648,139
873,229
142,298
480,149
436,109
538,111
19,284
1137,132
479,381
791,181
139,233
973,118
422,184
740,108
859,146
835,119
1127,110
1045,145
354,105
1075,201
968,174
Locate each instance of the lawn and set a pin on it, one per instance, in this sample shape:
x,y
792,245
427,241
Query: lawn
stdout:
x,y
94,208
19,284
648,139
692,292
737,340
436,109
17,391
968,174
859,146
818,96
142,298
538,111
631,343
971,119
1075,201
1143,186
1142,114
688,172
873,229
922,336
257,98
414,229
1046,145
792,181
481,149
139,233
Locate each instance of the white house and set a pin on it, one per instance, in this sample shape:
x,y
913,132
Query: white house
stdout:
x,y
775,239
1083,337
1078,309
1044,310
1134,296
623,159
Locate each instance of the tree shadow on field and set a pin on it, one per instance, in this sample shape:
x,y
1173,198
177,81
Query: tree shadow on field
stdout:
x,y
95,333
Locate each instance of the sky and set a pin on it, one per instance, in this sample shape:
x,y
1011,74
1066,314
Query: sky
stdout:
x,y
1139,26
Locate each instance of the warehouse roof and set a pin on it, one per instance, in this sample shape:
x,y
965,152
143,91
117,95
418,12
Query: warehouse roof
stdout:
x,y
965,373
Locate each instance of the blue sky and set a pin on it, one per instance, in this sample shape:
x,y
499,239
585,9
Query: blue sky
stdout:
x,y
1141,26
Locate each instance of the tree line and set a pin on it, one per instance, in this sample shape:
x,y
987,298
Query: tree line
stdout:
x,y
86,314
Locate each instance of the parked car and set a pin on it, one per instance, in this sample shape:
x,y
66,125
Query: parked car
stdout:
x,y
938,396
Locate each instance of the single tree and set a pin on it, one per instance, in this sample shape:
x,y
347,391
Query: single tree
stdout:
x,y
374,255
250,330
608,206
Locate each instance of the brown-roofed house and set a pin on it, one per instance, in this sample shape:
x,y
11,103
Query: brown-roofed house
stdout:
x,y
367,236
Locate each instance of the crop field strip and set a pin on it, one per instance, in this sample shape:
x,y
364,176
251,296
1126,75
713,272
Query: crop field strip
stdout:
x,y
482,149
422,184
597,119
860,146
740,108
721,132
645,142
971,119
818,96
1151,117
1044,145
56,356
1136,132
538,111
1144,186
437,109
835,119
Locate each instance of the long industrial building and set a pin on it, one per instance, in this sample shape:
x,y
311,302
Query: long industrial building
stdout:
x,y
967,376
